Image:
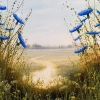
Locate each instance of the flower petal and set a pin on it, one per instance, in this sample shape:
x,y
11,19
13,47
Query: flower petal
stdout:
x,y
83,20
8,29
2,7
1,24
78,38
75,28
92,32
21,40
81,50
85,12
98,11
97,25
18,19
4,37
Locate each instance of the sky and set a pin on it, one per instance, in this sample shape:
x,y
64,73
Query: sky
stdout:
x,y
46,25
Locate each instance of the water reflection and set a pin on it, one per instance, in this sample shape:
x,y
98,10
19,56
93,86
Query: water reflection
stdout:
x,y
48,64
48,73
44,76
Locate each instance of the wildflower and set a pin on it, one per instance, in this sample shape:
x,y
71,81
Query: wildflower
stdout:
x,y
97,25
8,29
93,88
81,50
75,28
1,84
18,19
21,40
2,7
72,97
92,32
58,99
7,87
13,82
18,91
2,92
89,88
83,20
98,11
85,12
4,37
1,24
77,37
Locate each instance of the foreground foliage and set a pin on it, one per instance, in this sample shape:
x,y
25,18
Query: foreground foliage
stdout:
x,y
82,84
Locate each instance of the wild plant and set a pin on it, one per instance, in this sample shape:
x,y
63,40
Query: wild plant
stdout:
x,y
85,84
11,42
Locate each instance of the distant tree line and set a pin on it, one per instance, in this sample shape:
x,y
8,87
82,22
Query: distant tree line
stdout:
x,y
38,46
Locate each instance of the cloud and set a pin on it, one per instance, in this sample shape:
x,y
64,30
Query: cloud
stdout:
x,y
46,25
47,22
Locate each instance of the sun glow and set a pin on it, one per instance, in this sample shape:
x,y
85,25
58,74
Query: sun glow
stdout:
x,y
45,76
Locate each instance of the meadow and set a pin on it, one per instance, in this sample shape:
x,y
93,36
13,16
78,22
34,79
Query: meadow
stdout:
x,y
18,72
47,64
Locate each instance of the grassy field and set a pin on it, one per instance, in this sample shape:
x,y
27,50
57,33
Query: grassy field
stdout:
x,y
79,82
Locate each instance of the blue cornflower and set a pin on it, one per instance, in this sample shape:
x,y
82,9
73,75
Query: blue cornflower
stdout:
x,y
18,19
2,7
77,38
1,24
21,40
8,29
81,50
83,20
85,12
75,28
98,11
4,37
97,25
92,32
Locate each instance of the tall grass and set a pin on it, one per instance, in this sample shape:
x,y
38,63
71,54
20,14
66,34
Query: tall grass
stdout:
x,y
80,84
85,84
10,59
